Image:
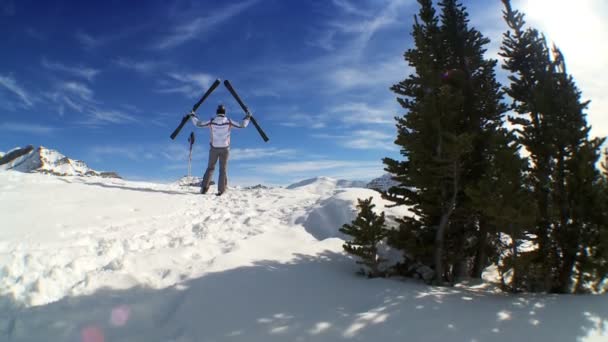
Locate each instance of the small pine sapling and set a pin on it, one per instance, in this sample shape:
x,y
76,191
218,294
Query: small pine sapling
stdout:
x,y
367,230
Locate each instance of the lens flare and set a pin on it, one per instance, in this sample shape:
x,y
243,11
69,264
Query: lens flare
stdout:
x,y
120,315
92,334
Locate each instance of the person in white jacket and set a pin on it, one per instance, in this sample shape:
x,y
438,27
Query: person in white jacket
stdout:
x,y
220,127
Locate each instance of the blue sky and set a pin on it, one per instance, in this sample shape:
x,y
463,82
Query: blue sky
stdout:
x,y
108,81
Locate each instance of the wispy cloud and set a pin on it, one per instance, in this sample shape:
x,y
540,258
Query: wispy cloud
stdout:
x,y
91,42
363,26
79,97
36,34
303,120
199,26
349,169
143,67
78,71
31,128
382,73
98,153
260,153
7,8
348,7
98,116
362,140
188,84
79,89
11,85
364,113
88,41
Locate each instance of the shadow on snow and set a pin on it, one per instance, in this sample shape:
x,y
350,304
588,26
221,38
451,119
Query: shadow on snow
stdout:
x,y
310,299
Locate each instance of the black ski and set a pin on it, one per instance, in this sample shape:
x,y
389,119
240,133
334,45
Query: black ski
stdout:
x,y
238,99
185,118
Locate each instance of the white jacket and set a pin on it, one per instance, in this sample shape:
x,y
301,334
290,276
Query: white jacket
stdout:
x,y
220,129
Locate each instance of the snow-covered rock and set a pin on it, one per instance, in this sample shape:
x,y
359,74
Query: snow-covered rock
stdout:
x,y
44,160
382,183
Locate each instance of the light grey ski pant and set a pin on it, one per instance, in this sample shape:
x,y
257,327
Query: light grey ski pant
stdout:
x,y
216,153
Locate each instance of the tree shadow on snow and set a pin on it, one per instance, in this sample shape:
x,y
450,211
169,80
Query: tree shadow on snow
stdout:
x,y
309,299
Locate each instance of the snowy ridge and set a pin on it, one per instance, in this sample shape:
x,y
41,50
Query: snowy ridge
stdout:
x,y
323,185
49,161
382,183
89,259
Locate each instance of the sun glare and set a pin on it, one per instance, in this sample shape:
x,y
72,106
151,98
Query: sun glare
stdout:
x,y
580,29
574,26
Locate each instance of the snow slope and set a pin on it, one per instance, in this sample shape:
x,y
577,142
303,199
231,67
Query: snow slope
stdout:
x,y
91,259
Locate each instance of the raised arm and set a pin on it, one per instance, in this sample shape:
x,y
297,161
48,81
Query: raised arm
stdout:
x,y
199,123
241,124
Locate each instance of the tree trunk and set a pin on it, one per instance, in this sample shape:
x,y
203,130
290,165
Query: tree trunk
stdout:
x,y
443,226
480,255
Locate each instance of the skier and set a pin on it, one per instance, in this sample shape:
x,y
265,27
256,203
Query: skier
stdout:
x,y
220,127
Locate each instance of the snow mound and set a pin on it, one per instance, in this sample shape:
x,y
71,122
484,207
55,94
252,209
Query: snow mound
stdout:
x,y
44,160
325,220
325,185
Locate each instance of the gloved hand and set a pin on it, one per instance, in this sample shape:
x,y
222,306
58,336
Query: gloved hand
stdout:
x,y
247,116
191,114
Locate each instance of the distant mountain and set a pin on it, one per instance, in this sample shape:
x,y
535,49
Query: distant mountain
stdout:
x,y
45,160
325,184
382,183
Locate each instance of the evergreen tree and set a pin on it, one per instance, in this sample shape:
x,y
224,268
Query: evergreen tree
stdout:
x,y
563,176
368,230
453,113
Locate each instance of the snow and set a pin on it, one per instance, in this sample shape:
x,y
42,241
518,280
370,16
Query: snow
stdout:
x,y
92,259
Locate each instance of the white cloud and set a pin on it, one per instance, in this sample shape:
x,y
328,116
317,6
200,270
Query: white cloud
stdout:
x,y
188,84
347,7
260,153
11,85
88,41
298,119
80,98
348,169
104,116
365,25
312,165
100,152
26,128
78,71
79,89
363,140
199,26
379,74
364,113
7,8
143,67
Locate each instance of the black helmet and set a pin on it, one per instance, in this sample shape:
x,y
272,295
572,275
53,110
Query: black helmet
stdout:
x,y
221,110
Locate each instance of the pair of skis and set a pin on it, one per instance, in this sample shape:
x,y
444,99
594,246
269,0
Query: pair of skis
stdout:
x,y
236,97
